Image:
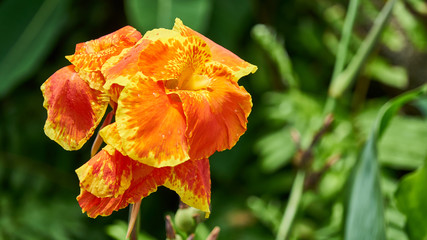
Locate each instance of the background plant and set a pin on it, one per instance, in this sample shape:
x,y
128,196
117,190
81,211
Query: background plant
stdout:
x,y
295,49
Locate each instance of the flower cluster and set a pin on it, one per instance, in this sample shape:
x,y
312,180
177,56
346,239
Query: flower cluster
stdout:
x,y
175,101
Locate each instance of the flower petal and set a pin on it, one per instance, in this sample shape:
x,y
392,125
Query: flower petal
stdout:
x,y
152,124
173,58
216,117
145,180
90,56
111,136
118,70
107,174
239,67
191,181
74,109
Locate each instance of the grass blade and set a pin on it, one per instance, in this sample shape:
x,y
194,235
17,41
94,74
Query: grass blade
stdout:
x,y
345,78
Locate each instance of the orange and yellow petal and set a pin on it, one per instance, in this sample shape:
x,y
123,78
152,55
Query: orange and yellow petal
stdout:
x,y
220,54
111,137
145,180
216,117
174,58
191,181
74,109
107,174
119,70
152,124
96,206
91,55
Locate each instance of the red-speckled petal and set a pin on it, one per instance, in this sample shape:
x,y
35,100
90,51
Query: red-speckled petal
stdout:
x,y
74,109
174,58
238,66
90,56
191,181
107,174
145,180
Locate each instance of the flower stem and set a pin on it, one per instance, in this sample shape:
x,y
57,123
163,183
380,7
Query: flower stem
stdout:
x,y
134,221
291,208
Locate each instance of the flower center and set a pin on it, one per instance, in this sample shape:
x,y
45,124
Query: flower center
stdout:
x,y
188,80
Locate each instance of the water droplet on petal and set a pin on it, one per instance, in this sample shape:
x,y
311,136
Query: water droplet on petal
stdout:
x,y
155,94
163,136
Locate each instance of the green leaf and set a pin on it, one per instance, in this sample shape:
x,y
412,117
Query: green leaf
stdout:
x,y
148,14
394,76
414,28
32,28
409,130
412,201
365,210
343,80
275,150
365,207
267,39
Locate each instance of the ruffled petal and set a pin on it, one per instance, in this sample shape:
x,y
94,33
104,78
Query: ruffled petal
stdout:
x,y
239,67
152,124
96,206
175,59
191,181
145,180
90,56
111,137
74,109
119,70
217,116
107,174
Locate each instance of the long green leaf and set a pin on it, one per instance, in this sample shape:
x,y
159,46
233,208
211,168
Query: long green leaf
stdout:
x,y
345,78
27,37
365,208
345,37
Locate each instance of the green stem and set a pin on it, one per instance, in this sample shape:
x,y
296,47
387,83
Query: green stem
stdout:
x,y
345,38
292,207
345,78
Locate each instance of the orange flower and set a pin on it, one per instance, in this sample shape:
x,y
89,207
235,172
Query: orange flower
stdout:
x,y
180,99
176,100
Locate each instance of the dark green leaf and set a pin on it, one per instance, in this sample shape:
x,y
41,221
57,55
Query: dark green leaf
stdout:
x,y
412,201
30,36
365,208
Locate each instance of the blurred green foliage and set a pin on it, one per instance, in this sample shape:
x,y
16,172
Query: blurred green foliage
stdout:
x,y
294,44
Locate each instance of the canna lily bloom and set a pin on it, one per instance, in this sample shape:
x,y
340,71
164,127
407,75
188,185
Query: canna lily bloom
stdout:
x,y
176,100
